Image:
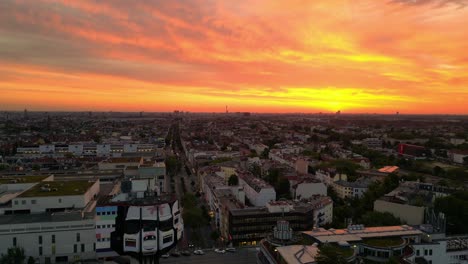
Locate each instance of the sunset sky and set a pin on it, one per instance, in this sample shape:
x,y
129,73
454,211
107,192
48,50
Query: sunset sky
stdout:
x,y
357,56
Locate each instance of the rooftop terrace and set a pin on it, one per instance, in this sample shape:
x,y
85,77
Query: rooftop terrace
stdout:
x,y
58,188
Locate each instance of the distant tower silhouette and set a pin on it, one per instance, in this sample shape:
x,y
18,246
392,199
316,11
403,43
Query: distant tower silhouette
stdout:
x,y
48,121
25,113
141,114
227,112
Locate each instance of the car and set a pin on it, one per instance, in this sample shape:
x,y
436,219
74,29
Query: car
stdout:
x,y
199,252
165,255
175,254
186,253
220,251
191,245
231,249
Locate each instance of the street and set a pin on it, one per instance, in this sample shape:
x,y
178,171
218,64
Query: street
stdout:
x,y
244,255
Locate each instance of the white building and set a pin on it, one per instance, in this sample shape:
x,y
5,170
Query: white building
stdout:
x,y
53,221
458,156
86,149
257,190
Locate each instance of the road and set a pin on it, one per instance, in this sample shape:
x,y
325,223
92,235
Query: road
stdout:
x,y
242,256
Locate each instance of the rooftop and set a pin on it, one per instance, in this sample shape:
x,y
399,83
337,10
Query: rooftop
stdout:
x,y
26,179
298,254
256,183
58,188
44,217
358,233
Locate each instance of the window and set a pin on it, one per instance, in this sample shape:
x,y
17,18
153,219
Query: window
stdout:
x,y
430,252
60,200
82,247
33,201
94,246
14,241
108,213
417,252
167,239
77,237
98,213
40,251
16,202
75,248
40,240
53,239
23,202
425,252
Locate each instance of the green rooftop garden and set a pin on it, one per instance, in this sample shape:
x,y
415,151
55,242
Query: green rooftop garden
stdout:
x,y
346,252
24,179
58,188
383,242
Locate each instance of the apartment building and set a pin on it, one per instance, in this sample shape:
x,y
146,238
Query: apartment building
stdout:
x,y
257,191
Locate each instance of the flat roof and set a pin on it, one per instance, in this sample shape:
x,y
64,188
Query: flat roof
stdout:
x,y
43,217
22,179
298,254
350,235
58,188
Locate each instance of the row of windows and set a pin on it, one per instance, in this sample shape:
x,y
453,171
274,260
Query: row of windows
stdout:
x,y
104,239
105,226
75,248
426,252
39,240
106,213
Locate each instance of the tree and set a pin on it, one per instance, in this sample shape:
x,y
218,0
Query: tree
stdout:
x,y
379,219
214,235
273,176
282,188
15,255
437,170
256,170
189,201
233,180
329,255
265,153
193,217
31,260
173,165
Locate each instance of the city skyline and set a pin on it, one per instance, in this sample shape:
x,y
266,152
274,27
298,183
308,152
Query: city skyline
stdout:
x,y
254,56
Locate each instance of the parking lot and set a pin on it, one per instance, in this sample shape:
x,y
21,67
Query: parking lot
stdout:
x,y
245,255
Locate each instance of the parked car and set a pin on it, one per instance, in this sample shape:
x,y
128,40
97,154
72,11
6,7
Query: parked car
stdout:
x,y
165,255
231,249
175,254
199,252
220,251
186,253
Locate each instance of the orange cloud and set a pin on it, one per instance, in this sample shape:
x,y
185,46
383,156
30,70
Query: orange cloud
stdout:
x,y
260,55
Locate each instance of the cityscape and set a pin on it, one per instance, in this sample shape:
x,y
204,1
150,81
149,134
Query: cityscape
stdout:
x,y
234,132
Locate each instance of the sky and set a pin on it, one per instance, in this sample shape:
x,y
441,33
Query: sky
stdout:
x,y
357,56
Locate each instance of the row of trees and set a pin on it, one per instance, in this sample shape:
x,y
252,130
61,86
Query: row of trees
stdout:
x,y
455,208
15,255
